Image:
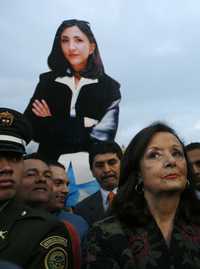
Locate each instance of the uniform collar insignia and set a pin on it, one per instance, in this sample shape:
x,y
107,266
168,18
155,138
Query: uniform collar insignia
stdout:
x,y
3,234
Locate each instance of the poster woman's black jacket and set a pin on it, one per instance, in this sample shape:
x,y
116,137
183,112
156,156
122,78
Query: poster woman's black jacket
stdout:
x,y
66,133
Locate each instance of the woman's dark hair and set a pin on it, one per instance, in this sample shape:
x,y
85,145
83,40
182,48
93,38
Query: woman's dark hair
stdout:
x,y
129,205
59,64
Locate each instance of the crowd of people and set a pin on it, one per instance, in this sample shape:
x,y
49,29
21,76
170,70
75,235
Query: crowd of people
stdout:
x,y
146,212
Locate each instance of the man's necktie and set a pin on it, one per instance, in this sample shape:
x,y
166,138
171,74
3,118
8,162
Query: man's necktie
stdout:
x,y
111,195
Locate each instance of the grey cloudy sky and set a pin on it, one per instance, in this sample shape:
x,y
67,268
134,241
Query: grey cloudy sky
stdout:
x,y
151,47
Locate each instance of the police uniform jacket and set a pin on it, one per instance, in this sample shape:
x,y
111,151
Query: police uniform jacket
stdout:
x,y
98,101
33,239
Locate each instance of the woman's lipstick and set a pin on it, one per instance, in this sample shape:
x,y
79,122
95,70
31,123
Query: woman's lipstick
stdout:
x,y
170,176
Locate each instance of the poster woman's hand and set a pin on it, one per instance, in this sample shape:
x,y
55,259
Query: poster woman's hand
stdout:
x,y
41,108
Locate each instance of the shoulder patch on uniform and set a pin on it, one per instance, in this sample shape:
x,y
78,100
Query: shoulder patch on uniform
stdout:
x,y
54,240
56,258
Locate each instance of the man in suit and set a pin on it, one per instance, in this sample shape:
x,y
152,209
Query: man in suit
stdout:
x,y
28,237
104,160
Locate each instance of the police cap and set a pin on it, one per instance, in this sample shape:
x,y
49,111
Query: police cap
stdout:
x,y
15,131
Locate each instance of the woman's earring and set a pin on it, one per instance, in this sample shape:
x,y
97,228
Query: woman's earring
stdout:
x,y
139,187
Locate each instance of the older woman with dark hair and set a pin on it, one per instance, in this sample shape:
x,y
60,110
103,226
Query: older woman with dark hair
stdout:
x,y
75,103
156,220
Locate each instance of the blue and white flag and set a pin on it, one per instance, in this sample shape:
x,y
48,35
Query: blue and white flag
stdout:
x,y
78,192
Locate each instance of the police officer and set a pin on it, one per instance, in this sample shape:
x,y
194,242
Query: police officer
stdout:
x,y
28,238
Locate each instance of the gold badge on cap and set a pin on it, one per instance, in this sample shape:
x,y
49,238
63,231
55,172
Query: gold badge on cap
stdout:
x,y
6,119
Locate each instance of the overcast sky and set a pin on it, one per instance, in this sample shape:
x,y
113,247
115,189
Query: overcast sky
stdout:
x,y
151,47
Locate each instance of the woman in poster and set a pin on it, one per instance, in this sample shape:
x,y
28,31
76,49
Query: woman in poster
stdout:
x,y
76,102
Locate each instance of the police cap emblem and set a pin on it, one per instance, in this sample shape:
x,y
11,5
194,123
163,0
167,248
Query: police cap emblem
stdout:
x,y
6,119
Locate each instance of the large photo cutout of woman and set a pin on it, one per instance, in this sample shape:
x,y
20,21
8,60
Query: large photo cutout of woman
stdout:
x,y
76,103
